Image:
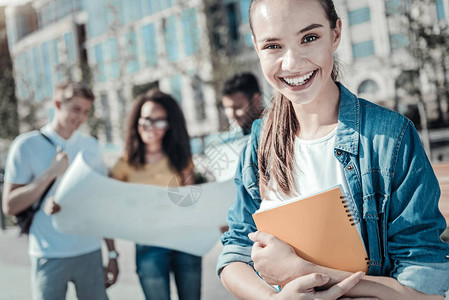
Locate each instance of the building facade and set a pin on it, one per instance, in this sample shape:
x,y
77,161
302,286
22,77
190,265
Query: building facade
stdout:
x,y
186,48
126,47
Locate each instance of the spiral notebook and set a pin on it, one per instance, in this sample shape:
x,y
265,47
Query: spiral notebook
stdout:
x,y
320,228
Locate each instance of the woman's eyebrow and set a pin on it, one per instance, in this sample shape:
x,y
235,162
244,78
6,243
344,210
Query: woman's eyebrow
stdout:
x,y
305,29
310,27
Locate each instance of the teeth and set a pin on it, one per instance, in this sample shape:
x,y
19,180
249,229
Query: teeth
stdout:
x,y
299,80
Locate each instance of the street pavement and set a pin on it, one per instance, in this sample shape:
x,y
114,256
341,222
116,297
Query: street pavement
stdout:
x,y
15,272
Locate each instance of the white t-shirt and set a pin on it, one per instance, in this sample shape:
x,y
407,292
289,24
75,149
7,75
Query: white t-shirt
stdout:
x,y
29,156
316,169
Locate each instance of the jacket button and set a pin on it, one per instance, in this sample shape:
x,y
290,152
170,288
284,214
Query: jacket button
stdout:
x,y
349,168
339,152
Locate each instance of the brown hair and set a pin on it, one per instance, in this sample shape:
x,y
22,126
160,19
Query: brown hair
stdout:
x,y
65,92
176,142
276,148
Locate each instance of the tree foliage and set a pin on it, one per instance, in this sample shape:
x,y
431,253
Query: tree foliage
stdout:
x,y
428,47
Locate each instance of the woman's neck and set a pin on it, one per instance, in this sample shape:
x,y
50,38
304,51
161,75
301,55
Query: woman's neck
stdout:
x,y
318,118
154,154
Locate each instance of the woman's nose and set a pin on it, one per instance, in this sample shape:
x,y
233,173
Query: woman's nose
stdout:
x,y
292,60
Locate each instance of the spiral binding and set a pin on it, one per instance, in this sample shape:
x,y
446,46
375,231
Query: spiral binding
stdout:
x,y
348,210
351,210
353,217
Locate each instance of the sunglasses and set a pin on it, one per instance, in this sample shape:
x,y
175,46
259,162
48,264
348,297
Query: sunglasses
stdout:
x,y
148,123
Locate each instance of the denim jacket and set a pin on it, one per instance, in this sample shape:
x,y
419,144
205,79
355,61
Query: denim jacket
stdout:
x,y
392,183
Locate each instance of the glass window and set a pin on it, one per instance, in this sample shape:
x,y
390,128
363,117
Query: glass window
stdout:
x,y
359,16
398,41
233,23
97,20
99,69
244,9
115,13
190,30
363,49
392,7
171,41
148,35
131,52
175,88
69,40
47,74
111,59
147,7
440,10
38,78
132,11
59,72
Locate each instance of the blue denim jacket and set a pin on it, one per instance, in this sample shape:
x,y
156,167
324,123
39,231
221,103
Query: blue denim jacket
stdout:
x,y
391,181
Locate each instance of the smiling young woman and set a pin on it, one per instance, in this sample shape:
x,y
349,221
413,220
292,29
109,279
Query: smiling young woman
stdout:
x,y
316,135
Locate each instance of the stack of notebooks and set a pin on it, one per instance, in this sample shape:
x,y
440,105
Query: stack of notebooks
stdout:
x,y
320,228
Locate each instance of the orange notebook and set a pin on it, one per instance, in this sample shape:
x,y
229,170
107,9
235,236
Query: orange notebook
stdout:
x,y
320,229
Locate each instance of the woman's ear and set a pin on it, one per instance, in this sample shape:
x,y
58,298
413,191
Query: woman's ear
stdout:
x,y
57,104
336,35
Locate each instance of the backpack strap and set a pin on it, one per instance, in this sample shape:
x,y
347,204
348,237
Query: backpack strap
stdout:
x,y
37,207
47,138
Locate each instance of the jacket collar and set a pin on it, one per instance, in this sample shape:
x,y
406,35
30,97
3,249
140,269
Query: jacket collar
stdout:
x,y
348,129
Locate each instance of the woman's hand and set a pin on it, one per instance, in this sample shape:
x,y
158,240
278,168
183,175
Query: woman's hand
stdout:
x,y
111,273
304,287
275,261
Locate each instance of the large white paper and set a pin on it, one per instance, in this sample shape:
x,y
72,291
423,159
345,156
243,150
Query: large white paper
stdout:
x,y
221,158
186,218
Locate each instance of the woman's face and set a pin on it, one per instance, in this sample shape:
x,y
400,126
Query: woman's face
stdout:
x,y
152,124
295,45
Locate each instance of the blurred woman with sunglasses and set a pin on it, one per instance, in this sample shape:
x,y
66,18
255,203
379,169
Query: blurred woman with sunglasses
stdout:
x,y
158,152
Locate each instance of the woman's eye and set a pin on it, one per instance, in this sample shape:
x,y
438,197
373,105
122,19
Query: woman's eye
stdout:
x,y
309,38
271,47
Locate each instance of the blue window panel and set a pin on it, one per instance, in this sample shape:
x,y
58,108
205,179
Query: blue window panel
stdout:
x,y
171,41
132,53
115,13
148,36
97,17
55,52
157,5
398,41
111,60
147,7
440,10
190,31
175,88
37,69
244,10
69,39
392,7
248,39
132,10
47,74
99,70
359,16
363,49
